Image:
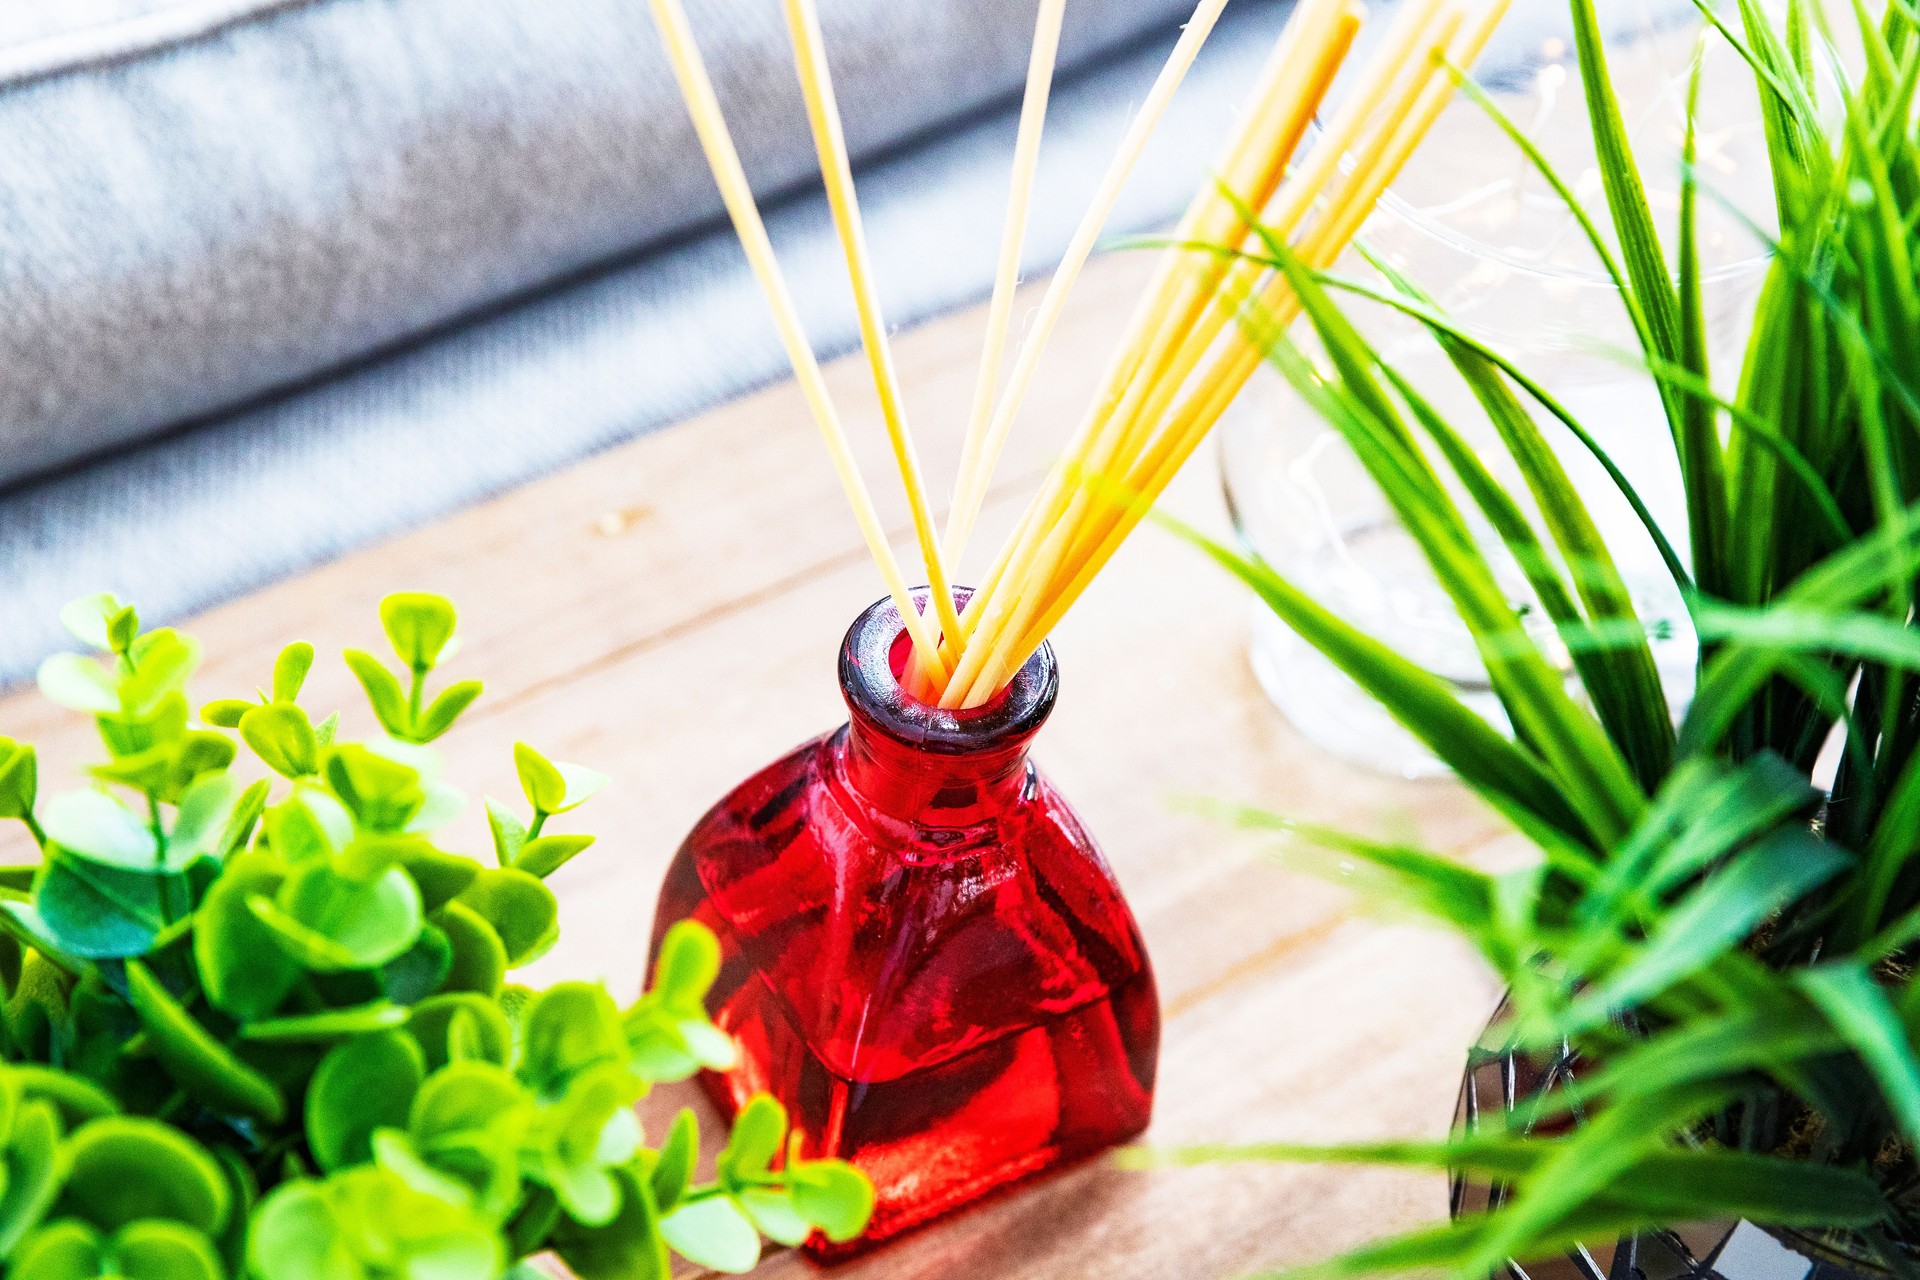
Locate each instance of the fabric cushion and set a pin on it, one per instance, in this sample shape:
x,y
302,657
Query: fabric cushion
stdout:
x,y
183,521
208,199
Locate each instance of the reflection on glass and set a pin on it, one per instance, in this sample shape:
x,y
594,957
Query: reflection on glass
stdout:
x,y
1478,228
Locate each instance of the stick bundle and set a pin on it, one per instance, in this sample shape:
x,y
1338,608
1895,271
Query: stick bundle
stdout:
x,y
1187,352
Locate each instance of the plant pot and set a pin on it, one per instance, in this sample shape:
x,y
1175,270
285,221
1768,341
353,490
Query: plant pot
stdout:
x,y
1497,1079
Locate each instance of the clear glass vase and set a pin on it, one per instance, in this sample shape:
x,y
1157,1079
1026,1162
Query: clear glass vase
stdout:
x,y
1476,227
926,959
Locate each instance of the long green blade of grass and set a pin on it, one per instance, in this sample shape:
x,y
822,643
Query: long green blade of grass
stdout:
x,y
1587,765
1510,777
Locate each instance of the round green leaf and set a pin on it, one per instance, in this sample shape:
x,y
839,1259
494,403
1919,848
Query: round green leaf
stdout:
x,y
479,957
713,1233
484,1035
471,1120
243,971
32,1165
19,778
95,826
383,691
464,1098
688,964
95,911
162,661
76,1098
442,877
419,625
569,1029
832,1195
198,1063
365,1084
419,971
123,1169
599,1106
342,923
581,785
552,787
368,1224
308,825
79,684
61,1251
772,1211
165,1251
382,793
521,909
87,619
445,709
394,1152
589,1192
758,1131
226,713
206,808
282,736
544,855
290,670
629,1247
295,1237
509,834
545,789
673,1170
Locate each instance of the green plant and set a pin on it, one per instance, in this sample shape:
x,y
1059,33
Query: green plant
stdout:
x,y
266,1029
1730,948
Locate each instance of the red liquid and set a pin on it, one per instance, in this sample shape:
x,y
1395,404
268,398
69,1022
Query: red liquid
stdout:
x,y
926,959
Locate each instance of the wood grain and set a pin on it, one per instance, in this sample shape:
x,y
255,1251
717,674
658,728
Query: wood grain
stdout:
x,y
669,612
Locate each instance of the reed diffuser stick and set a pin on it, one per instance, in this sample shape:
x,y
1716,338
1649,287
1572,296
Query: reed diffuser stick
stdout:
x,y
1302,65
1203,325
696,86
1056,578
967,505
1308,55
1013,238
836,168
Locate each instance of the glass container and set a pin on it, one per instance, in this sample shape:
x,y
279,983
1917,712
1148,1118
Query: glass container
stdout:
x,y
926,958
1476,227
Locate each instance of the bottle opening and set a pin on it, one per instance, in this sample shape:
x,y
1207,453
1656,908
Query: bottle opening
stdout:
x,y
902,653
873,665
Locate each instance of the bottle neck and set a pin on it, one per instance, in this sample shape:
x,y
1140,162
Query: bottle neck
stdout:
x,y
930,779
916,785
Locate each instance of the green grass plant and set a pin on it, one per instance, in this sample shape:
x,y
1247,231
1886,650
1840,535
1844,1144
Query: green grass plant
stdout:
x,y
1729,947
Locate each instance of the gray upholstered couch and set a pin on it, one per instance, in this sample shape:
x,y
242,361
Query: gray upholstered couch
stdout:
x,y
279,276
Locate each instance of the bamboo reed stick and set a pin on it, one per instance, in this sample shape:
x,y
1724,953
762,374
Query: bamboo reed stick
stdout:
x,y
836,168
967,505
1282,107
1157,401
1393,143
1013,235
1276,116
696,86
1254,173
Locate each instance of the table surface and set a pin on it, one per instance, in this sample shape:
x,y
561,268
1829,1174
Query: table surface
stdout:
x,y
669,612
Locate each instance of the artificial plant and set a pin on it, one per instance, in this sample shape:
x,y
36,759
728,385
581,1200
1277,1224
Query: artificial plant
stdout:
x,y
267,1029
1724,931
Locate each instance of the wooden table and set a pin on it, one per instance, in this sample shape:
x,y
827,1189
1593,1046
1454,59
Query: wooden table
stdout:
x,y
669,612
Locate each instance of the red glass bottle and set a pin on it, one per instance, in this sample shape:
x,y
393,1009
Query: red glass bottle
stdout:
x,y
926,959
